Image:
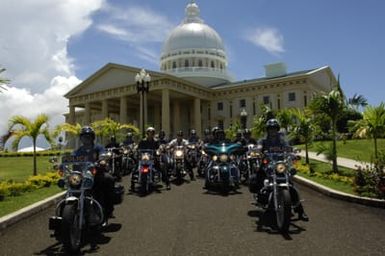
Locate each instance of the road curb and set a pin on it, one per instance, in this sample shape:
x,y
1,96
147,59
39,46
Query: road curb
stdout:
x,y
340,195
28,211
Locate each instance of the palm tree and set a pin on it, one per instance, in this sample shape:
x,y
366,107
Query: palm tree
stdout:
x,y
3,80
21,126
72,129
259,122
331,104
303,128
357,101
372,124
285,118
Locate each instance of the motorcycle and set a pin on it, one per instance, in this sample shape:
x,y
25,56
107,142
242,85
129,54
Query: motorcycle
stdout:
x,y
115,162
193,154
79,211
250,162
222,169
128,159
178,169
276,193
146,175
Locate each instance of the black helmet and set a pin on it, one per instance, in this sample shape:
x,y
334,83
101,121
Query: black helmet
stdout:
x,y
193,132
162,134
129,134
87,130
179,133
150,129
239,133
214,129
207,131
273,123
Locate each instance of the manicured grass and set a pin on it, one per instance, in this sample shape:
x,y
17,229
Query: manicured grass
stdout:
x,y
20,168
360,150
14,203
321,167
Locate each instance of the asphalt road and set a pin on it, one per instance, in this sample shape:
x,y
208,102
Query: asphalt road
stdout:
x,y
188,221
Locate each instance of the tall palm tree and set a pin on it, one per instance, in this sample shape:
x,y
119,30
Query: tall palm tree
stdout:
x,y
303,128
3,80
285,118
259,121
73,130
357,101
330,104
372,125
21,126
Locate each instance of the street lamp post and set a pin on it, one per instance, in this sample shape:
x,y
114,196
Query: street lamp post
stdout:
x,y
243,118
142,86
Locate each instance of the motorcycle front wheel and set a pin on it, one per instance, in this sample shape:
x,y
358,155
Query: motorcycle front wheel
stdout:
x,y
283,210
71,232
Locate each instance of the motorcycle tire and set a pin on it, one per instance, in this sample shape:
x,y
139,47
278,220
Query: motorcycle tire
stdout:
x,y
283,210
71,233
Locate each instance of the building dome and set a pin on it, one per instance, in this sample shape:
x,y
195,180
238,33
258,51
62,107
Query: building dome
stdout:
x,y
195,51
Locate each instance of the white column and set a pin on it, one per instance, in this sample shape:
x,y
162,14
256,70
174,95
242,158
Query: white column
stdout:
x,y
166,111
71,118
197,116
123,110
145,109
87,113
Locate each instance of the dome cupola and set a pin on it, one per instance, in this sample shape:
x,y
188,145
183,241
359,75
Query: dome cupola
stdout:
x,y
195,51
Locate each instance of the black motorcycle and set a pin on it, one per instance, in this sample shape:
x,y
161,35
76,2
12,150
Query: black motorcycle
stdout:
x,y
272,187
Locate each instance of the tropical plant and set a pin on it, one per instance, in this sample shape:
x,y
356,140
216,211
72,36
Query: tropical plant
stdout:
x,y
259,122
372,125
330,104
285,118
303,128
232,130
72,130
3,80
357,101
20,127
108,127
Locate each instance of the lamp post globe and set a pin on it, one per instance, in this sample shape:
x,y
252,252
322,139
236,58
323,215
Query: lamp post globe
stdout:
x,y
243,115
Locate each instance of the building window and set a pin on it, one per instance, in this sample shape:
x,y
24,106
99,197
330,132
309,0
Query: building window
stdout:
x,y
212,64
242,103
305,100
231,110
186,64
266,100
173,64
279,104
291,96
220,124
200,63
209,113
220,106
254,108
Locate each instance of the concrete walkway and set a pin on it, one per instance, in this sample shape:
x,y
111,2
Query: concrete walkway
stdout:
x,y
341,161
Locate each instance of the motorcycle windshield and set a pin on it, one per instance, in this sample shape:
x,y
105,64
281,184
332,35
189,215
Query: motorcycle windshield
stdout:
x,y
224,148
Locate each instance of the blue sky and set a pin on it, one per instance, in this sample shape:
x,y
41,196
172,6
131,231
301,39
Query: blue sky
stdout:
x,y
52,45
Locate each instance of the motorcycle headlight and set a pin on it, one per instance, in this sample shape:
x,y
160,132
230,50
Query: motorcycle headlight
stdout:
x,y
125,152
145,157
280,168
253,154
215,158
109,153
178,153
232,157
223,158
75,179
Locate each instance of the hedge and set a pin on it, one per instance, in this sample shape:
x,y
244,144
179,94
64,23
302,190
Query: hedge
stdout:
x,y
39,153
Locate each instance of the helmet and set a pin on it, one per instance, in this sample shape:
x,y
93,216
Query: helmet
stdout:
x,y
87,130
207,131
214,129
179,133
193,132
247,132
162,134
239,133
129,134
150,129
272,123
112,138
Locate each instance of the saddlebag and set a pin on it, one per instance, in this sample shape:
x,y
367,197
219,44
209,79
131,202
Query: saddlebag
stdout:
x,y
54,223
118,194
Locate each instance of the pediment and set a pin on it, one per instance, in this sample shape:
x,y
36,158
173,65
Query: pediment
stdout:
x,y
109,77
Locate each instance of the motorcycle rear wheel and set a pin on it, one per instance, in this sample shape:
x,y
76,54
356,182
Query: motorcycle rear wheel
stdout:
x,y
71,233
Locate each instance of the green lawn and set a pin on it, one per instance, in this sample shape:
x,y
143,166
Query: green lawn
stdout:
x,y
14,203
360,150
20,168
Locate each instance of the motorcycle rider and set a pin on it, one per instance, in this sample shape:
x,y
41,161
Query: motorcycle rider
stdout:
x,y
104,183
274,140
151,143
247,139
179,141
238,137
193,137
129,139
115,147
162,137
207,137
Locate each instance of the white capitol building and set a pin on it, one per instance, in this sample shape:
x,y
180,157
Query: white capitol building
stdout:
x,y
193,88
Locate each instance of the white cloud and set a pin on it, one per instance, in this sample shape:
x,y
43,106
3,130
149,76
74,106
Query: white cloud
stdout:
x,y
33,49
137,25
267,38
